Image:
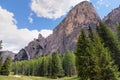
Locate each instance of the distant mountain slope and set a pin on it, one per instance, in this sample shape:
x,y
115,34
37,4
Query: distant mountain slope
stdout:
x,y
113,18
65,35
5,54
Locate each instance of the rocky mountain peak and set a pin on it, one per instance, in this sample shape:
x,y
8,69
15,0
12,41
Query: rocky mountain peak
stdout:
x,y
40,36
81,15
113,18
84,12
65,35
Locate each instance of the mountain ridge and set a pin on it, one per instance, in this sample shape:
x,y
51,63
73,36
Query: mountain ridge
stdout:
x,y
5,54
112,18
64,35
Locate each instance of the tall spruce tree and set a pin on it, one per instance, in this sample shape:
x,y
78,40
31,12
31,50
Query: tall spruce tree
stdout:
x,y
0,62
83,56
69,63
110,41
103,67
5,70
93,59
43,67
90,32
118,31
50,65
56,65
0,56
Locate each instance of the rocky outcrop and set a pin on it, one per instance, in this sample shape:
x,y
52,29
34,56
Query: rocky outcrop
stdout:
x,y
34,48
65,35
5,54
113,18
22,55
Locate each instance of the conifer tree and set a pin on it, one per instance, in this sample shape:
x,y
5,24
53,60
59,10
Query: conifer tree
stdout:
x,y
0,56
69,63
50,65
0,62
93,59
56,65
110,41
90,32
43,67
103,67
118,31
83,56
5,70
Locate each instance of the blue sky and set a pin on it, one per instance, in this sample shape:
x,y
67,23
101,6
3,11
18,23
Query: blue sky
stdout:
x,y
22,10
31,17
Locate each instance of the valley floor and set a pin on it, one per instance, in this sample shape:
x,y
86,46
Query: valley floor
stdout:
x,y
17,77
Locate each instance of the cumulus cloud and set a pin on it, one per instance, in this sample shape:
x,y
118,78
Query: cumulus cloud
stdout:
x,y
52,9
30,18
13,38
46,32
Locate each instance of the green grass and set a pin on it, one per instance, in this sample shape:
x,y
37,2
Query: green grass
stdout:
x,y
13,77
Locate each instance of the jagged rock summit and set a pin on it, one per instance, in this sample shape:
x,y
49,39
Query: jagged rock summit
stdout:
x,y
113,18
65,35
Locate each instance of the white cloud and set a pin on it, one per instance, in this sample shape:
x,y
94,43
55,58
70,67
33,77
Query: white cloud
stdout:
x,y
30,18
13,38
105,3
45,32
52,8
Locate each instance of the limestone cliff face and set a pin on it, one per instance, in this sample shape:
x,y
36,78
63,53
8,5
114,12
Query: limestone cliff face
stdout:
x,y
65,35
113,18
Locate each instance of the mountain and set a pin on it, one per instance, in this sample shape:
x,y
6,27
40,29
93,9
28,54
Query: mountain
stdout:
x,y
5,54
112,18
65,35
